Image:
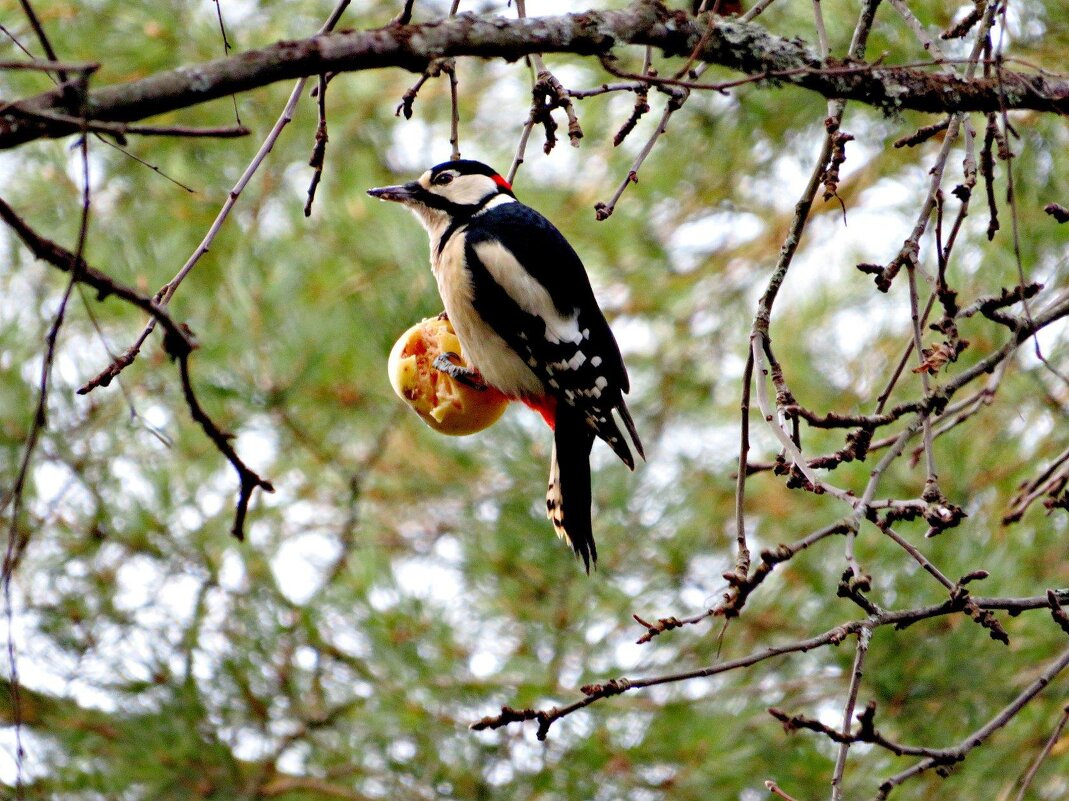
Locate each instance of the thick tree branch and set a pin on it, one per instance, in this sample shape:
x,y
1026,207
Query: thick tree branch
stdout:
x,y
741,46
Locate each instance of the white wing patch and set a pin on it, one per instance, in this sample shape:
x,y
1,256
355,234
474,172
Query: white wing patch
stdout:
x,y
528,294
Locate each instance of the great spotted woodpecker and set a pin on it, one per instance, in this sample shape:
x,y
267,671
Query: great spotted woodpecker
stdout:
x,y
526,317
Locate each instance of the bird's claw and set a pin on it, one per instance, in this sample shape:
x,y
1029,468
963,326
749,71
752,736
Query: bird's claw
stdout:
x,y
444,363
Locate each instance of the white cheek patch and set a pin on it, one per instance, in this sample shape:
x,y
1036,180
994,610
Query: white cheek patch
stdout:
x,y
467,190
527,293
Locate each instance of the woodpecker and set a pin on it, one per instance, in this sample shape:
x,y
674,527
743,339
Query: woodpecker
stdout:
x,y
522,307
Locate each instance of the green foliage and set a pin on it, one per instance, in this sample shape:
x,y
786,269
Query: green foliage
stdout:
x,y
399,585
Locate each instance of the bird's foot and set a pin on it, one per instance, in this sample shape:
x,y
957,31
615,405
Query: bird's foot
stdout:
x,y
467,376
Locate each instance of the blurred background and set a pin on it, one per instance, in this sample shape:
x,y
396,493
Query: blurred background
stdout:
x,y
400,585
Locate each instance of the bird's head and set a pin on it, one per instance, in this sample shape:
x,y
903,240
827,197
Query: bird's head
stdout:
x,y
449,190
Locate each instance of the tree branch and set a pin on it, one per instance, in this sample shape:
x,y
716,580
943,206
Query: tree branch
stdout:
x,y
177,342
899,619
741,46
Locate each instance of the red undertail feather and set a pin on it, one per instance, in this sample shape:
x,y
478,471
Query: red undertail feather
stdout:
x,y
545,406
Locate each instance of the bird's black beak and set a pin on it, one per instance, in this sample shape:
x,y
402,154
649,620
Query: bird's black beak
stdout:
x,y
398,194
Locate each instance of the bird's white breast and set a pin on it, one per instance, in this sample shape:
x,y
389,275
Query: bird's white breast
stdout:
x,y
499,364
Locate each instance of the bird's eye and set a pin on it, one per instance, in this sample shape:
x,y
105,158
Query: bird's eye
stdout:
x,y
443,178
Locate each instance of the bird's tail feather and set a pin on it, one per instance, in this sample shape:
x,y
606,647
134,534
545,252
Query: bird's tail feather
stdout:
x,y
568,496
619,432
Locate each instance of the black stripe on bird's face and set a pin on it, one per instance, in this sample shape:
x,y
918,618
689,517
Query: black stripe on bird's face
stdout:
x,y
414,193
458,188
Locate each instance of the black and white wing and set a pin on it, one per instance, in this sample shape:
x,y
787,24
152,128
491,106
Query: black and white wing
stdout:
x,y
530,286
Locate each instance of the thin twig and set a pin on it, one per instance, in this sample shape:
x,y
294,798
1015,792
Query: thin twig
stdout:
x,y
178,344
409,97
740,586
521,147
920,32
642,104
405,16
1033,769
121,129
16,544
769,414
949,756
42,37
1011,197
147,164
450,69
757,9
1051,481
607,88
834,636
774,788
82,67
920,558
822,32
863,638
742,550
226,52
604,210
931,486
319,149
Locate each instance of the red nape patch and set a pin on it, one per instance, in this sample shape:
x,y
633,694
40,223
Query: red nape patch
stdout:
x,y
545,406
502,183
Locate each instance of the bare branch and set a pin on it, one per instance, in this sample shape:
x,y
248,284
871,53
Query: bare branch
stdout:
x,y
863,638
774,788
177,342
834,636
163,297
949,756
604,210
734,44
84,67
1033,769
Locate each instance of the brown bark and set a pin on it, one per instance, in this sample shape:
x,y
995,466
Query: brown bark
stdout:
x,y
744,47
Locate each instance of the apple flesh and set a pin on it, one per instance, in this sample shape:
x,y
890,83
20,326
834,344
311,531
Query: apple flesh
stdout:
x,y
445,404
